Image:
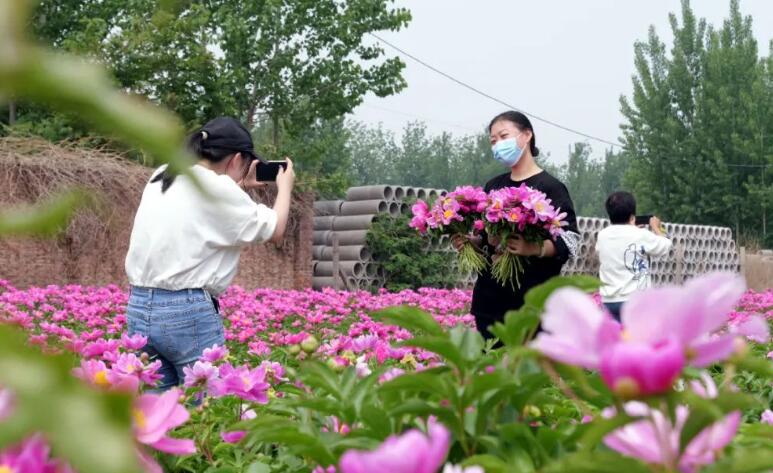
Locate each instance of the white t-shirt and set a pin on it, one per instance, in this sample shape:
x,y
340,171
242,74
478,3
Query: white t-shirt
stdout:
x,y
184,239
624,255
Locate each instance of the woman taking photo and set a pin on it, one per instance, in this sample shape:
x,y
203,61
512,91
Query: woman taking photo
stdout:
x,y
513,145
185,244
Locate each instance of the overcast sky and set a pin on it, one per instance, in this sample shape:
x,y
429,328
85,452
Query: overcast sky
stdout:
x,y
564,60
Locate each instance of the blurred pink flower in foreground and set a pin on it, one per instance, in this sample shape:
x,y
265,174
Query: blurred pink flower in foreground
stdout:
x,y
655,438
154,415
33,455
662,330
411,452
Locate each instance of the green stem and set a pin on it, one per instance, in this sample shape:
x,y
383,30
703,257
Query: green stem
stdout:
x,y
565,388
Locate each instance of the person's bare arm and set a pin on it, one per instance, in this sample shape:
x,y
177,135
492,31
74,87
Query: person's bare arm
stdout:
x,y
284,189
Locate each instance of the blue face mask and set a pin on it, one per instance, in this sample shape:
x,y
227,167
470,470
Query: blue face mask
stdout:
x,y
507,152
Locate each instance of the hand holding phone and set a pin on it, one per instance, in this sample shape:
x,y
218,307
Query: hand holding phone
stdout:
x,y
652,222
643,220
267,172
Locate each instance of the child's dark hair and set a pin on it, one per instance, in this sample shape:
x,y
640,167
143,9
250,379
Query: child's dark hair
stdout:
x,y
198,147
521,122
621,206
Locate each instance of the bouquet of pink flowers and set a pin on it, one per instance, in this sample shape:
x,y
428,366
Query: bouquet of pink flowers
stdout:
x,y
457,213
519,211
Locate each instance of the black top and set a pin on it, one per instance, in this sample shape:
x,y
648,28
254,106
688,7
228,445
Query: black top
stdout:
x,y
491,300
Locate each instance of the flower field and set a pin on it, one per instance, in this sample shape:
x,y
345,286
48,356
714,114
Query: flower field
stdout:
x,y
319,381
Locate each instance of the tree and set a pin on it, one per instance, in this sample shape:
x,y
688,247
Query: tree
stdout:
x,y
292,69
582,177
731,118
294,61
323,153
613,171
473,163
696,124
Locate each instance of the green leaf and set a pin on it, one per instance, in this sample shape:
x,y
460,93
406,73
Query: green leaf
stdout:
x,y
537,296
410,318
258,467
52,401
520,460
423,410
517,327
320,376
440,345
595,431
322,405
484,383
377,420
744,460
759,366
362,390
698,419
704,412
45,218
495,399
588,386
490,463
283,431
596,462
353,442
521,435
468,341
428,381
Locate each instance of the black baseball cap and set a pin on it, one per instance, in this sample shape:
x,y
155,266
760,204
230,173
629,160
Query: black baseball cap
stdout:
x,y
229,134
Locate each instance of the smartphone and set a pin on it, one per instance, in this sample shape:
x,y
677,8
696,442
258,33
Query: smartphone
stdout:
x,y
267,172
643,219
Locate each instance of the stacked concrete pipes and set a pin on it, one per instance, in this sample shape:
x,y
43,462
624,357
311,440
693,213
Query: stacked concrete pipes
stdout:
x,y
697,249
349,221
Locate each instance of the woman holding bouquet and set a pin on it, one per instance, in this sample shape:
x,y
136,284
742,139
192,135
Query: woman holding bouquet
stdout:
x,y
513,145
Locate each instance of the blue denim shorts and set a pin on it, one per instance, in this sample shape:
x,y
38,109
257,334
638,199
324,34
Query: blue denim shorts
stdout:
x,y
179,326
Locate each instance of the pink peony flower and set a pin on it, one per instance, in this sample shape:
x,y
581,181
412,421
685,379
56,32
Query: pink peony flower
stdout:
x,y
411,452
32,455
202,373
640,369
767,417
390,374
655,438
248,384
154,415
236,436
214,354
692,314
233,437
274,371
420,213
576,331
93,372
753,328
128,372
662,329
6,403
134,343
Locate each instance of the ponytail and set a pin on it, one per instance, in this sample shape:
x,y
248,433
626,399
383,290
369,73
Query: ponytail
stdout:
x,y
197,146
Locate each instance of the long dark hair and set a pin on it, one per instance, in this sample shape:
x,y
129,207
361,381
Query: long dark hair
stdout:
x,y
521,122
197,145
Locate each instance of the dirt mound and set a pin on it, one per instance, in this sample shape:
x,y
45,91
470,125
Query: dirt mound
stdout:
x,y
92,249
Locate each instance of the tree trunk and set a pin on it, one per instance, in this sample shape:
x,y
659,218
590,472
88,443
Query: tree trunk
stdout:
x,y
275,131
11,112
251,116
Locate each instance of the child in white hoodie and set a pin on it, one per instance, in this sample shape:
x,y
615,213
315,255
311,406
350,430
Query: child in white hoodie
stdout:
x,y
625,250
